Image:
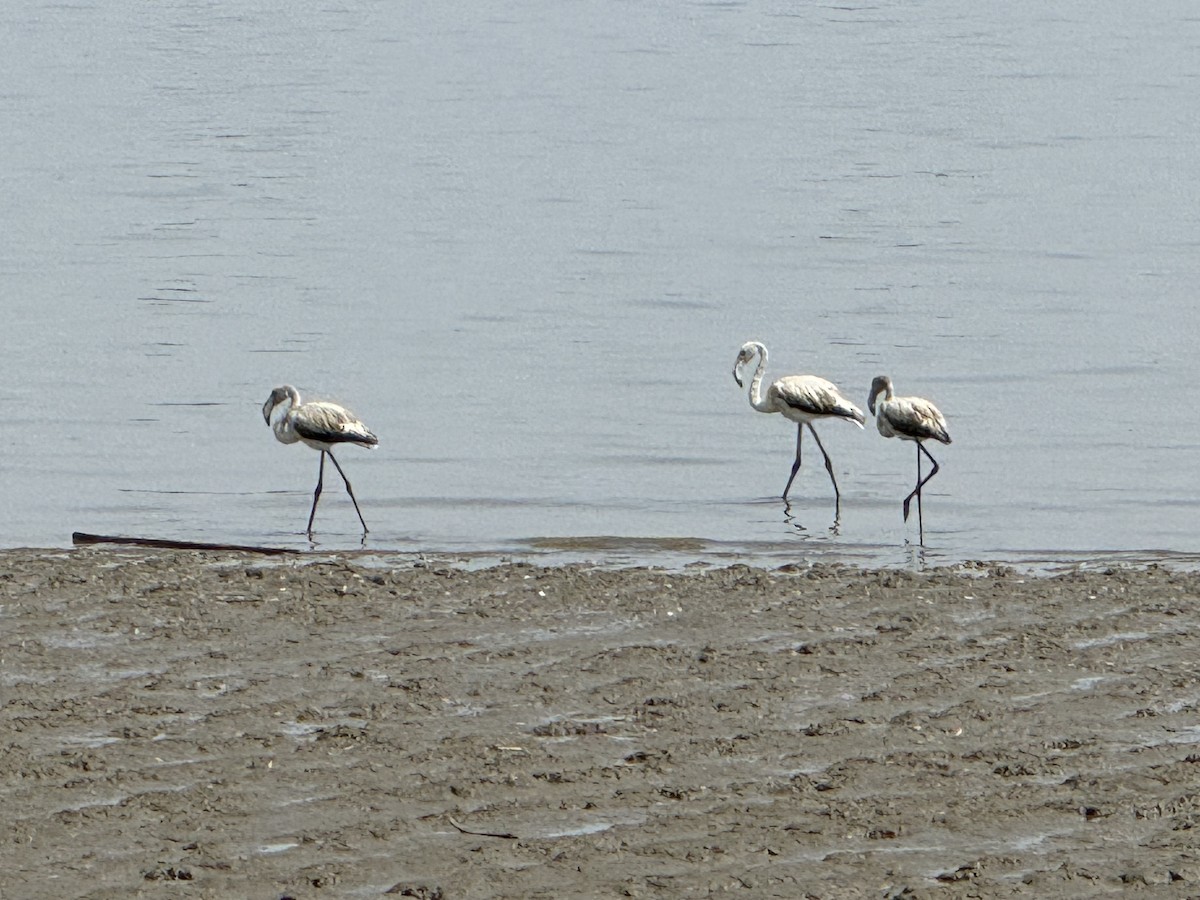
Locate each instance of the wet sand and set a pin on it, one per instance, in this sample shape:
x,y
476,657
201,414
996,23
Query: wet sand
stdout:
x,y
216,725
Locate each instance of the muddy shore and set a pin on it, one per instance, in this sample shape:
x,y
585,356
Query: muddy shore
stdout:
x,y
215,725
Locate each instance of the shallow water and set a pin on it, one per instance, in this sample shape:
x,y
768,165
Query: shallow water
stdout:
x,y
526,246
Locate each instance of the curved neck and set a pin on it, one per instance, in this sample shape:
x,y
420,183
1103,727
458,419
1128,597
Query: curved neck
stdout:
x,y
756,399
880,386
281,421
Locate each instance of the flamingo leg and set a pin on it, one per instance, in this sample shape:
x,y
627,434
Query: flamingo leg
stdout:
x,y
796,464
350,491
316,494
920,516
828,467
921,482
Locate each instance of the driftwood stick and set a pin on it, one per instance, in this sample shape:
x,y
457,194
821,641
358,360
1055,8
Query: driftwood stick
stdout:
x,y
81,537
495,834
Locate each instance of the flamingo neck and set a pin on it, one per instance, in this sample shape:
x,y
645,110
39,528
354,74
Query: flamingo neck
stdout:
x,y
281,421
880,387
756,398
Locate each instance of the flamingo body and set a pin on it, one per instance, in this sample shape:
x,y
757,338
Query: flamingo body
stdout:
x,y
807,398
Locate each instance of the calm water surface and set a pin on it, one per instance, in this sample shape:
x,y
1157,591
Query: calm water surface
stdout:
x,y
525,241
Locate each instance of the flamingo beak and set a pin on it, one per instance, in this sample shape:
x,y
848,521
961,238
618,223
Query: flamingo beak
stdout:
x,y
269,407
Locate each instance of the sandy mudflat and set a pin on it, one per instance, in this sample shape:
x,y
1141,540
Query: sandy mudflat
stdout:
x,y
220,726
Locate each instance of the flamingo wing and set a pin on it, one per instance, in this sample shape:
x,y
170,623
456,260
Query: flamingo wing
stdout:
x,y
331,424
917,419
814,396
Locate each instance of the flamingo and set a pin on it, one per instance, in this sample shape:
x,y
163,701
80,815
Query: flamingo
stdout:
x,y
801,398
910,419
320,425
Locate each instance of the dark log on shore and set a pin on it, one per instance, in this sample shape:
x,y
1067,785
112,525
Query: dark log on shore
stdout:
x,y
80,537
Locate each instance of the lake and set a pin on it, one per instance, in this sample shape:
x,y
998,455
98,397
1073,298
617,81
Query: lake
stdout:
x,y
524,242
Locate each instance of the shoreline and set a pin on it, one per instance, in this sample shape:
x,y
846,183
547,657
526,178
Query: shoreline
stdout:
x,y
312,727
615,552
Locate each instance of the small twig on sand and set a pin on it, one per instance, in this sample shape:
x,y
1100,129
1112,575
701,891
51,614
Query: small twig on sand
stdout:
x,y
495,834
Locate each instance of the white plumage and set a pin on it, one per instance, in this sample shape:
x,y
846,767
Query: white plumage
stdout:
x,y
910,419
320,425
802,399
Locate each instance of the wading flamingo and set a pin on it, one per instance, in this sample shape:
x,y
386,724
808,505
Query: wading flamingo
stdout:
x,y
910,419
320,425
801,398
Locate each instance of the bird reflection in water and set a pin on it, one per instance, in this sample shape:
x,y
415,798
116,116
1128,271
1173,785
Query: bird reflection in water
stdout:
x,y
789,519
